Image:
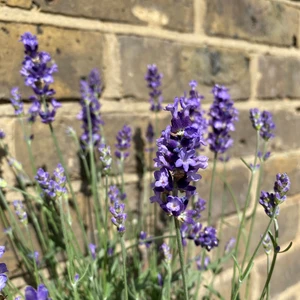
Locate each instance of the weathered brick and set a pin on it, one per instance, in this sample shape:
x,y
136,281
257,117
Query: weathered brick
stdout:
x,y
179,64
75,52
255,20
286,272
44,151
238,184
288,220
279,78
287,135
282,163
173,14
19,3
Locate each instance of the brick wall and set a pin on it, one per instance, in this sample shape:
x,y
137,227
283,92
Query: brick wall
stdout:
x,y
251,46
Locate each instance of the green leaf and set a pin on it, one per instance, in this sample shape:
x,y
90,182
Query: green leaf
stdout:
x,y
213,291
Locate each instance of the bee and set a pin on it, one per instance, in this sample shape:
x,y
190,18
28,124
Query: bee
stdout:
x,y
3,297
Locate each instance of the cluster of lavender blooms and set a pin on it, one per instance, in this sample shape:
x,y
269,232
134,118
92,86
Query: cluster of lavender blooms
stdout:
x,y
165,249
90,113
123,142
40,294
38,71
262,122
271,201
117,208
178,162
222,117
197,114
153,78
52,188
114,194
3,270
16,101
118,216
205,237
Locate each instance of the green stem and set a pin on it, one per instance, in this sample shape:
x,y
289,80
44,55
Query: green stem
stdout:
x,y
181,258
268,272
69,184
253,215
124,266
266,287
247,269
33,257
211,189
241,227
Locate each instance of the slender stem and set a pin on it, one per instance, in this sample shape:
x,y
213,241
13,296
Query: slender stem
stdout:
x,y
211,189
220,229
253,215
254,254
33,256
69,184
268,272
241,227
265,289
124,266
181,258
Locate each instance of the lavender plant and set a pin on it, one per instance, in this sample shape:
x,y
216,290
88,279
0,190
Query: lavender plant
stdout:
x,y
67,256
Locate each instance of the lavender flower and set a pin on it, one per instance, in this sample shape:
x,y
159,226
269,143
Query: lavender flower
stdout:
x,y
119,217
115,195
271,201
193,102
207,238
2,134
166,253
123,142
229,245
39,75
20,212
143,237
223,116
35,256
76,277
160,280
262,122
93,248
90,93
3,270
52,188
199,207
202,266
153,78
178,162
105,158
16,101
265,157
40,294
150,134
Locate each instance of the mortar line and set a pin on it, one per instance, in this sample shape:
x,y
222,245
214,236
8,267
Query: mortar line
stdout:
x,y
15,15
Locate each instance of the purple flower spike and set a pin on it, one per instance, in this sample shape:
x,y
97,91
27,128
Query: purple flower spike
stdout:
x,y
178,162
229,245
222,118
16,101
38,70
119,217
52,188
202,266
2,134
20,212
90,93
40,294
93,248
150,136
123,142
271,201
207,238
105,158
262,122
166,252
2,250
115,195
153,78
